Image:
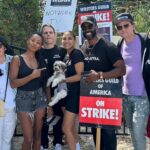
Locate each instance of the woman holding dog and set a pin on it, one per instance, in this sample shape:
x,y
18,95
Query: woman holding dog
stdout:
x,y
75,65
27,74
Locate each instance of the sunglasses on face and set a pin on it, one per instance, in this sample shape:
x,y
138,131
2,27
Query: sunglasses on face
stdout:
x,y
125,26
87,27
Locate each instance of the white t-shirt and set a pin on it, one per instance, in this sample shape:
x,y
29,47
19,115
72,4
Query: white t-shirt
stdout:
x,y
10,93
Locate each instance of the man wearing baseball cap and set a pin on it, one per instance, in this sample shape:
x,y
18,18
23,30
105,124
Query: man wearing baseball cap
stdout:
x,y
88,19
104,61
135,82
125,17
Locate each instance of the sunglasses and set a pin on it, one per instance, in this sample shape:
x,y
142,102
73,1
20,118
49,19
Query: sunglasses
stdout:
x,y
1,73
87,27
125,26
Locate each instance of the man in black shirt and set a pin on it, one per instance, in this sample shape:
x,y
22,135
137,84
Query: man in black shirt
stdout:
x,y
51,53
104,60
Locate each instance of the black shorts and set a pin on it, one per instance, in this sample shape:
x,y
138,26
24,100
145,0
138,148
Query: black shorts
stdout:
x,y
72,99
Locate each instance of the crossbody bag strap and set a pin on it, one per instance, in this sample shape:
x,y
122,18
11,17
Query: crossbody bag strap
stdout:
x,y
6,82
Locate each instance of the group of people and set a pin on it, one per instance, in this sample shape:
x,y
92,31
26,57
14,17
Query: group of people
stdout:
x,y
29,72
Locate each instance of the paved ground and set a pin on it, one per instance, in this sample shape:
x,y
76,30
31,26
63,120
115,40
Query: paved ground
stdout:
x,y
86,141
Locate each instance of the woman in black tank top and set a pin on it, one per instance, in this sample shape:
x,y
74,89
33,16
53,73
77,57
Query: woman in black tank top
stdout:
x,y
28,74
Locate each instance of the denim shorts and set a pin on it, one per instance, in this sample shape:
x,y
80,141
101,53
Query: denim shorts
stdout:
x,y
29,101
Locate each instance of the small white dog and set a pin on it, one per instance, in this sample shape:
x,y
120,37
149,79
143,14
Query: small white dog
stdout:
x,y
58,79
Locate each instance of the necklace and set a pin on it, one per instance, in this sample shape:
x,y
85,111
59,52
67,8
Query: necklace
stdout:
x,y
89,50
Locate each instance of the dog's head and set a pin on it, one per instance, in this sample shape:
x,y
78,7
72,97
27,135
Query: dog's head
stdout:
x,y
59,66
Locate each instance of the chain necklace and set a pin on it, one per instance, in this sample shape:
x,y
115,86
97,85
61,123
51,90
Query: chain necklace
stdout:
x,y
89,50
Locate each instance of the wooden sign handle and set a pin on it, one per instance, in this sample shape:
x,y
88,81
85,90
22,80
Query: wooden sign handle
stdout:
x,y
98,138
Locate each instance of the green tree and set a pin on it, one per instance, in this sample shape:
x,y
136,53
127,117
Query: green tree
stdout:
x,y
19,18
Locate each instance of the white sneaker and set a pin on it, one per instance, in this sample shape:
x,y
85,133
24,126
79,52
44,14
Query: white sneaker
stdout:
x,y
58,147
43,148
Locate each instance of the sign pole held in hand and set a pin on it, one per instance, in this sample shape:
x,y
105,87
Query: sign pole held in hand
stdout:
x,y
100,104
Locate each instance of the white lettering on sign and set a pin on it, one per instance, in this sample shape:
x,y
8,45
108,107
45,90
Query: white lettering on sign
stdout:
x,y
58,12
61,0
100,103
112,80
100,80
102,17
100,92
100,113
100,86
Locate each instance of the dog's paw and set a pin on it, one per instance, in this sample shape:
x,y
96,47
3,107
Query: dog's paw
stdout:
x,y
49,81
48,84
52,103
55,82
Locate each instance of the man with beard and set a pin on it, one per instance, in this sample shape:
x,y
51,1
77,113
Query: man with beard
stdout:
x,y
104,61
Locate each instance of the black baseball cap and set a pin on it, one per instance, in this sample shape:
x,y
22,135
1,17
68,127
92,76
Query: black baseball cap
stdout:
x,y
124,17
3,41
88,19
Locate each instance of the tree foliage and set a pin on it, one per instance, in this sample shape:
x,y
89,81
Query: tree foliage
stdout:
x,y
140,9
19,18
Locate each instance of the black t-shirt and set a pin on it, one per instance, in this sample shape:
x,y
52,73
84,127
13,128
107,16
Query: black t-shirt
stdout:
x,y
74,57
147,77
103,55
51,55
72,99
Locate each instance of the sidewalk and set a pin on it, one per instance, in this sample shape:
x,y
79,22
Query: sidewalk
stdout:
x,y
86,141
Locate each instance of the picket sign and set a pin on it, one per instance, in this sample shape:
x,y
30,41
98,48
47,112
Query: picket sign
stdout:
x,y
100,105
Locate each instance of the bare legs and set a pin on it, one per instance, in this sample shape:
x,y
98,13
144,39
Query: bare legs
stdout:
x,y
31,132
70,130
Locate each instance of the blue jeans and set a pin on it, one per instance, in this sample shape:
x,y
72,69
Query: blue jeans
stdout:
x,y
136,110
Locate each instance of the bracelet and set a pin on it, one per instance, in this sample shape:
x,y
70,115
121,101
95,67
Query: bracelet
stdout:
x,y
101,75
